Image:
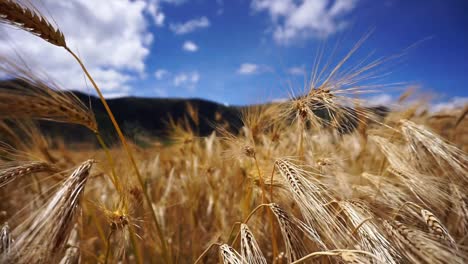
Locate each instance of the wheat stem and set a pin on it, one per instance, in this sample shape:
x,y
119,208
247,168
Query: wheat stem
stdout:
x,y
108,246
129,153
335,252
114,179
262,184
206,252
248,218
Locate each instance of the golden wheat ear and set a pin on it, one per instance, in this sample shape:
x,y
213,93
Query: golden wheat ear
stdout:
x,y
5,240
420,247
370,236
10,173
250,250
434,154
13,13
312,199
293,232
30,97
229,255
72,254
45,236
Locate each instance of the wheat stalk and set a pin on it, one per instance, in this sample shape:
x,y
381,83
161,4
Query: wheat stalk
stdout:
x,y
353,258
346,255
27,19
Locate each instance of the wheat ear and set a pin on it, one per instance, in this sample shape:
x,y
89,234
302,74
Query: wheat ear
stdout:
x,y
436,227
293,232
249,247
11,12
5,240
72,254
11,173
420,247
370,237
313,199
230,255
43,238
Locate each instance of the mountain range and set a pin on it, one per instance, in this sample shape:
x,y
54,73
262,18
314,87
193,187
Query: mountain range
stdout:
x,y
150,118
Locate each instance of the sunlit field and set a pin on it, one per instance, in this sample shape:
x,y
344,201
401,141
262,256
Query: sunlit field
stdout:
x,y
319,178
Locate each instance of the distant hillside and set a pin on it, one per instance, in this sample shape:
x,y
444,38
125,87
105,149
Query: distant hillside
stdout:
x,y
149,117
152,115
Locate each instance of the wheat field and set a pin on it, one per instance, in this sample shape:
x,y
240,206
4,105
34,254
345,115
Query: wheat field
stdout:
x,y
319,178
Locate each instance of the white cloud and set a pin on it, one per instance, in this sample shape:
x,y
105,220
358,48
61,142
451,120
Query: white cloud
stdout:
x,y
161,74
156,13
111,37
175,2
276,8
380,100
251,68
342,7
298,70
455,102
280,100
190,26
117,94
293,20
391,101
188,80
248,68
189,46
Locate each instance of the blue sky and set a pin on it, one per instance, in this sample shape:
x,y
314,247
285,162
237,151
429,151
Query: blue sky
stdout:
x,y
239,34
249,51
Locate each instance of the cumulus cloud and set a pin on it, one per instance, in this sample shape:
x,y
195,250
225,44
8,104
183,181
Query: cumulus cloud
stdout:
x,y
380,100
175,2
251,68
189,46
187,80
111,37
248,68
455,102
154,9
298,70
190,26
161,74
156,13
293,20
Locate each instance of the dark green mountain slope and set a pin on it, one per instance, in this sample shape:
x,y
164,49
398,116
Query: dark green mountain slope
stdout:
x,y
150,117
